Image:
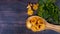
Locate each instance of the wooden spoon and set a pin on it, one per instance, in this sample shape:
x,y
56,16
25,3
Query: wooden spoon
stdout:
x,y
47,25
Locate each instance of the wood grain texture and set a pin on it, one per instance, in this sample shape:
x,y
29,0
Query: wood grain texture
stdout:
x,y
53,27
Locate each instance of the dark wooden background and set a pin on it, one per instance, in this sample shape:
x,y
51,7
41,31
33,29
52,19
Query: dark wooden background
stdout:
x,y
13,16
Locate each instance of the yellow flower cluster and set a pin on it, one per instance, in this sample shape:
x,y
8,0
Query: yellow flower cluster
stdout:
x,y
35,6
35,24
29,10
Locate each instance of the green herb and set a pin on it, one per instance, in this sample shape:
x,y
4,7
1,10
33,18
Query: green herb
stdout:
x,y
48,10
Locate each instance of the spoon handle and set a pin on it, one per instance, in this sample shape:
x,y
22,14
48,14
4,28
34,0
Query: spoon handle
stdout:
x,y
53,27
